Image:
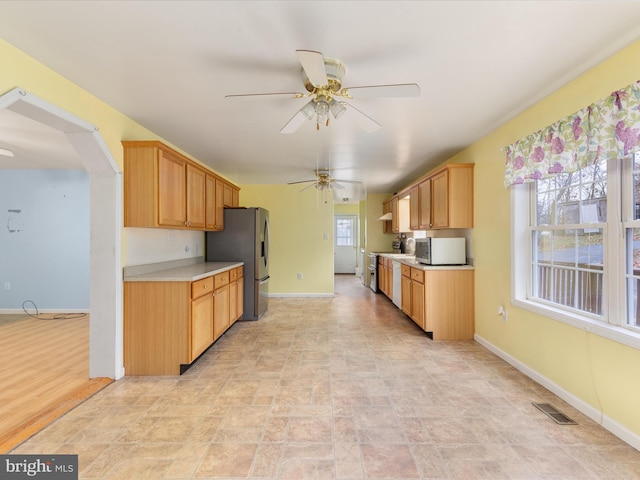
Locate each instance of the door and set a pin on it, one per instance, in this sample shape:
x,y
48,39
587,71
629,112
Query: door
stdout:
x,y
346,244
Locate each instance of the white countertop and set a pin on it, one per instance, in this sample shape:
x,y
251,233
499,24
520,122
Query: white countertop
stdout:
x,y
184,273
411,261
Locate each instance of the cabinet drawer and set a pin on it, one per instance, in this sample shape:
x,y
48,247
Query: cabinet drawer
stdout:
x,y
200,287
417,275
240,272
406,270
235,274
221,279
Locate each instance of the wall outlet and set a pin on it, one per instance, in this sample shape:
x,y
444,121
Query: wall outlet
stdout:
x,y
299,275
7,285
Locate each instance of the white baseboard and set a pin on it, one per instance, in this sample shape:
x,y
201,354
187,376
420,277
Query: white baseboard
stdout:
x,y
13,311
594,414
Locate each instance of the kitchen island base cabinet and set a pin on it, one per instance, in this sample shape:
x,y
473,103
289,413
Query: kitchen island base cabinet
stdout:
x,y
440,302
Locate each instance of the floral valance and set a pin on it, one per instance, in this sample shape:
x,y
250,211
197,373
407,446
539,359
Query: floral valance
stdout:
x,y
607,129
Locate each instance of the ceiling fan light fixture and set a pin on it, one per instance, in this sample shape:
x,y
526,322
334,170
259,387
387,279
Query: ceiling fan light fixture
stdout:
x,y
337,108
6,153
309,110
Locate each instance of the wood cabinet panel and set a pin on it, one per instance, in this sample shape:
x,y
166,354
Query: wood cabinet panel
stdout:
x,y
440,200
156,327
418,303
201,325
196,181
414,208
450,305
220,311
172,190
219,204
211,219
424,205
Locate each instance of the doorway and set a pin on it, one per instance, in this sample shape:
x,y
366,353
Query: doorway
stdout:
x,y
345,248
105,184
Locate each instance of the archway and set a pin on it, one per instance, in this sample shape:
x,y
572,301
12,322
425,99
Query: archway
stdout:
x,y
105,180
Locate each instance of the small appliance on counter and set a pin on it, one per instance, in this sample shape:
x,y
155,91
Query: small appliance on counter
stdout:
x,y
245,238
441,251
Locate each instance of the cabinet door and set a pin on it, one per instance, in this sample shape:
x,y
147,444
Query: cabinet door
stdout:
x,y
210,202
414,208
406,295
228,195
219,204
201,325
233,301
240,298
196,179
395,220
235,202
440,199
417,303
172,190
424,200
220,311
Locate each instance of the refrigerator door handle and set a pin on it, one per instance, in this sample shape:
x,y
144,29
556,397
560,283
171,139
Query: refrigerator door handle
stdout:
x,y
265,246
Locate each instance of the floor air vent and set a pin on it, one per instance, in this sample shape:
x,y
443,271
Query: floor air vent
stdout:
x,y
551,412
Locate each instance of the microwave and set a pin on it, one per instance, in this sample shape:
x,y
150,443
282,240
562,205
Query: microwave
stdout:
x,y
441,251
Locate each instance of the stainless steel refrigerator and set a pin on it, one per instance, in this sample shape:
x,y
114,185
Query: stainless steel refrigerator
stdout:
x,y
245,238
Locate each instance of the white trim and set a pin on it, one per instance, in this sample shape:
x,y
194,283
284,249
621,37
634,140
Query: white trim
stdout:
x,y
594,414
14,311
106,343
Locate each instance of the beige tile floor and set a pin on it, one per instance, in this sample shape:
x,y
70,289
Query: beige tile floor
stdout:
x,y
334,388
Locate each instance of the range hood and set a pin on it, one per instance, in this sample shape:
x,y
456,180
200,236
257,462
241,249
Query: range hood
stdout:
x,y
387,216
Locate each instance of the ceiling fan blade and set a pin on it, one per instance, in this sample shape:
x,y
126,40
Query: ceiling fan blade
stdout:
x,y
291,94
378,91
346,181
294,124
313,65
336,185
307,187
364,121
301,181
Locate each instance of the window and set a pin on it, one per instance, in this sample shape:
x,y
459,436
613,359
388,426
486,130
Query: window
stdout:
x,y
345,232
576,242
575,190
567,238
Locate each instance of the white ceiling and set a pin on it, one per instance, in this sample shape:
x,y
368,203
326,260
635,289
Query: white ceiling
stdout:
x,y
169,64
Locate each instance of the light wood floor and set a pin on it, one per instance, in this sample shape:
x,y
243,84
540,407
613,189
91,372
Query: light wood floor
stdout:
x,y
44,371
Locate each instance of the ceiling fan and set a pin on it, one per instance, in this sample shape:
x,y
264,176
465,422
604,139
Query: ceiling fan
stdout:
x,y
323,181
322,78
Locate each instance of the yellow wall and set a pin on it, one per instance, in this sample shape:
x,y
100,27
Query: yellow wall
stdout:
x,y
299,222
600,372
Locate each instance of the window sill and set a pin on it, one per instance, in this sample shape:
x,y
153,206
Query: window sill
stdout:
x,y
615,333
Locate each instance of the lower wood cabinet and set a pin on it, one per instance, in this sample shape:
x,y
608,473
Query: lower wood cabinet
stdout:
x,y
168,325
441,302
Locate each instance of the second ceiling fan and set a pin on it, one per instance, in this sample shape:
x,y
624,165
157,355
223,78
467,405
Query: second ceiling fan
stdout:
x,y
322,78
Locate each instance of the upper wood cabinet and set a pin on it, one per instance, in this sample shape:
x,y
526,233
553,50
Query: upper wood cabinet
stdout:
x,y
444,199
424,205
164,189
195,197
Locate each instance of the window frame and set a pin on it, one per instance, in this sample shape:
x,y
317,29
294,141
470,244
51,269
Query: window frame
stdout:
x,y
613,324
